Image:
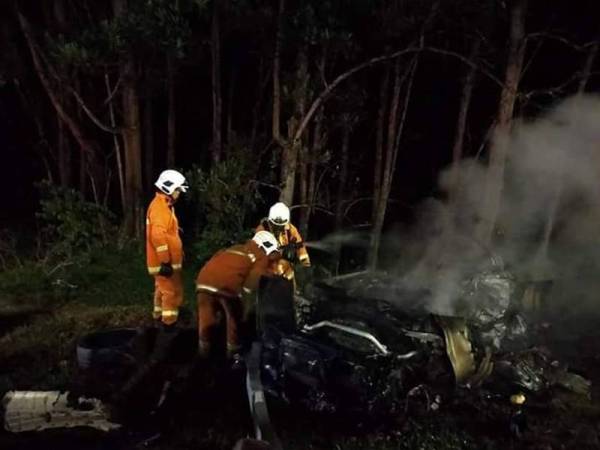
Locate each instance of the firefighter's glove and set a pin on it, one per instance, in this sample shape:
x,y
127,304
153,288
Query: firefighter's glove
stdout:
x,y
288,252
166,270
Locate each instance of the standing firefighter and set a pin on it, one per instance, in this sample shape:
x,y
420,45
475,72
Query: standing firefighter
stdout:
x,y
290,242
164,255
164,252
223,280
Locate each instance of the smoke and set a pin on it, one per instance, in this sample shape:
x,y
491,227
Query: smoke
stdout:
x,y
549,222
548,226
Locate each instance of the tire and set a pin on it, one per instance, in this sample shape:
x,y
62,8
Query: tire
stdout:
x,y
105,348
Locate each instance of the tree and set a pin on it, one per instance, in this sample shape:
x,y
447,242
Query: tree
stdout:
x,y
508,96
217,101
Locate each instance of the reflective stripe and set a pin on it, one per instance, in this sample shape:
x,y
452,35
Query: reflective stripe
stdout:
x,y
162,248
206,287
153,270
170,313
246,290
147,221
247,255
157,309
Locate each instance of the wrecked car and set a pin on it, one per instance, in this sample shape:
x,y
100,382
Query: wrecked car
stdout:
x,y
347,346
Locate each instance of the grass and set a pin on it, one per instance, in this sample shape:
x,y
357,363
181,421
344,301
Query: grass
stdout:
x,y
45,310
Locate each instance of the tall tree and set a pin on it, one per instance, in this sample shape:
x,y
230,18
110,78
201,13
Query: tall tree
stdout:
x,y
171,111
131,133
217,101
508,96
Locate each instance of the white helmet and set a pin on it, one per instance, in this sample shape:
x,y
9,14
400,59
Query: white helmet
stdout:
x,y
266,241
169,180
279,214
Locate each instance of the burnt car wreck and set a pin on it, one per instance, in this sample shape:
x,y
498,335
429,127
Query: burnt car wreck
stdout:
x,y
359,344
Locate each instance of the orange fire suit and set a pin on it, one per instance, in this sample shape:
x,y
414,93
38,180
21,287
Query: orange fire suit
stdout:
x,y
220,283
163,245
288,235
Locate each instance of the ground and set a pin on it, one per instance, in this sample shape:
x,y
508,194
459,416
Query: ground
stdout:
x,y
37,345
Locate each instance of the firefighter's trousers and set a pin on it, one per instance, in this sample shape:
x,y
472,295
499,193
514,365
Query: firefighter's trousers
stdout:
x,y
208,311
168,297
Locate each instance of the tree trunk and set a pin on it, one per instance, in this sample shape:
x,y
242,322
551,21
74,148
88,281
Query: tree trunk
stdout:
x,y
149,136
380,140
317,146
276,122
463,110
303,186
63,149
171,113
64,155
289,160
258,103
308,164
385,168
394,133
215,50
133,149
343,177
131,137
230,94
116,144
499,149
86,146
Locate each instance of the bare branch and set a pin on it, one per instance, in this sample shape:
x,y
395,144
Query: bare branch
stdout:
x,y
371,62
556,37
114,91
91,115
84,144
55,75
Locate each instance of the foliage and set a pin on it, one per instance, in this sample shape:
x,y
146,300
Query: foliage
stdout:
x,y
72,225
221,202
150,26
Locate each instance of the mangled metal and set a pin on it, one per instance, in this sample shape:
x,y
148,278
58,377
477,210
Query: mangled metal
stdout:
x,y
41,410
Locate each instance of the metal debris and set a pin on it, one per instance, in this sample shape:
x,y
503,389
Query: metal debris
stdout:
x,y
40,410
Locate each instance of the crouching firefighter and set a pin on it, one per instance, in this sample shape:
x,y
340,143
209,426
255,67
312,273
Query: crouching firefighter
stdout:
x,y
221,283
290,241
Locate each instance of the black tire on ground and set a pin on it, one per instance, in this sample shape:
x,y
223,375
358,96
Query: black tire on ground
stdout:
x,y
108,347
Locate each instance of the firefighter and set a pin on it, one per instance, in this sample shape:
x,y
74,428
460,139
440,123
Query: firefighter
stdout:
x,y
290,242
164,252
164,255
221,283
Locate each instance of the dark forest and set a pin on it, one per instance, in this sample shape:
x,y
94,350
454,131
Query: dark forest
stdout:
x,y
422,141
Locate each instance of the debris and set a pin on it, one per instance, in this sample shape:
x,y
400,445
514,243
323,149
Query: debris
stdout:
x,y
40,410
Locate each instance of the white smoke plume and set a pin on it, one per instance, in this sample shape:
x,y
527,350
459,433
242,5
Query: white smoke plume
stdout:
x,y
548,227
549,223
